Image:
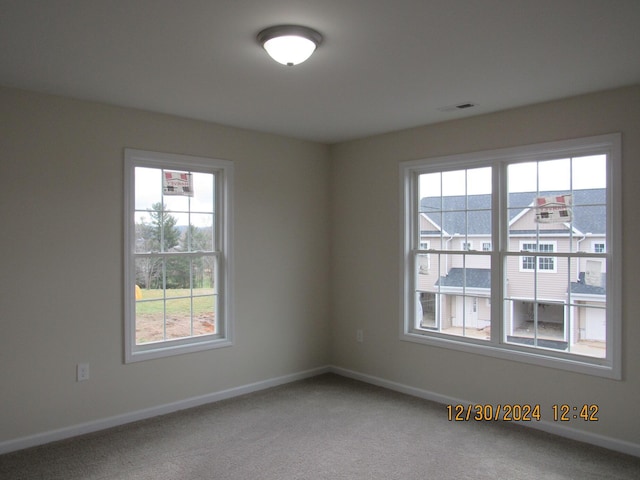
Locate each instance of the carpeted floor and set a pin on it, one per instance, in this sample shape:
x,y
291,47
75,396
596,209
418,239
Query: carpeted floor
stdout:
x,y
327,427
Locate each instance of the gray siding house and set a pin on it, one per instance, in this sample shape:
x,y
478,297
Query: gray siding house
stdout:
x,y
558,302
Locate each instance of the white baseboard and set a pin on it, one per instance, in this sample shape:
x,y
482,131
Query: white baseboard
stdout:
x,y
544,425
103,423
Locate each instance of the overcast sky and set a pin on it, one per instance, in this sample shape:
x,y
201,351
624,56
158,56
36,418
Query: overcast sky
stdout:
x,y
557,175
149,191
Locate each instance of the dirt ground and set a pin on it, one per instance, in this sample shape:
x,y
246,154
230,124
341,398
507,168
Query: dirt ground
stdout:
x,y
546,330
149,328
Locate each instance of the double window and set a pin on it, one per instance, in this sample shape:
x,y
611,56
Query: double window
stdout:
x,y
178,259
543,214
544,264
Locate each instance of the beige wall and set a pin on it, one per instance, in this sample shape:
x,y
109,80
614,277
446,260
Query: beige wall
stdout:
x,y
298,205
61,300
365,218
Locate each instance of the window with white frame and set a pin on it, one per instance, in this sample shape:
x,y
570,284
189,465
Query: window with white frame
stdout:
x,y
544,264
426,258
178,265
558,305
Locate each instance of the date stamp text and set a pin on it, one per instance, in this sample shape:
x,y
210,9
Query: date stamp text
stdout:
x,y
515,412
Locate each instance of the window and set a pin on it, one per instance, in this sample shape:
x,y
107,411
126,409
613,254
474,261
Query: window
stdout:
x,y
177,254
544,264
425,259
558,305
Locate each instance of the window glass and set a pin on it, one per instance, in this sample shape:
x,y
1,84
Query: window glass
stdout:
x,y
178,268
547,271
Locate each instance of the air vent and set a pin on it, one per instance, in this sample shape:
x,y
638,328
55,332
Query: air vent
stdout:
x,y
458,106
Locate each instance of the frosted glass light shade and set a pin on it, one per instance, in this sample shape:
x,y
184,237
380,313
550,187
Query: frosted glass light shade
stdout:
x,y
289,44
289,50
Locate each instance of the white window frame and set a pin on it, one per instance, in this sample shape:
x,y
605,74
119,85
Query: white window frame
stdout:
x,y
610,366
426,245
537,264
595,243
223,171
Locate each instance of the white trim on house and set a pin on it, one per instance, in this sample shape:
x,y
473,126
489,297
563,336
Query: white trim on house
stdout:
x,y
538,256
437,227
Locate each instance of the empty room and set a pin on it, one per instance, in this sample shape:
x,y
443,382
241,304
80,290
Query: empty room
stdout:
x,y
289,239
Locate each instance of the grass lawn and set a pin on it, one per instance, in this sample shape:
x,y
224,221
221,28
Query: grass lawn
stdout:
x,y
160,318
152,301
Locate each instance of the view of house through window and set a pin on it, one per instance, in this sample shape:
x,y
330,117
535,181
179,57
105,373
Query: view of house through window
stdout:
x,y
455,216
549,255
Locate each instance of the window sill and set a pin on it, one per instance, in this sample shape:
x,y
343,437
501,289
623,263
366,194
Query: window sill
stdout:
x,y
579,364
171,348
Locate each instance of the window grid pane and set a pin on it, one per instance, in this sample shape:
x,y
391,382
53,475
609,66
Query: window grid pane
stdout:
x,y
184,286
553,202
454,215
555,209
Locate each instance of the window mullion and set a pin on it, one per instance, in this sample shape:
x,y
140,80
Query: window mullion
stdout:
x,y
499,240
414,242
164,299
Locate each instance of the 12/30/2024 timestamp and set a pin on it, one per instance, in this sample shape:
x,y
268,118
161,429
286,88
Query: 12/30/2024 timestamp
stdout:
x,y
520,412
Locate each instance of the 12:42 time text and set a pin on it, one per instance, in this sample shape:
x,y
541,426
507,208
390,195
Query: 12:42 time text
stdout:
x,y
566,413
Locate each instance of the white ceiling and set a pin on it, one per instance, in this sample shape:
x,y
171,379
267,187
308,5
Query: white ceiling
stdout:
x,y
384,65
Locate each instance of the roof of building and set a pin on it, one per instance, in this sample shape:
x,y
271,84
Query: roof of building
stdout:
x,y
481,278
469,277
583,288
472,213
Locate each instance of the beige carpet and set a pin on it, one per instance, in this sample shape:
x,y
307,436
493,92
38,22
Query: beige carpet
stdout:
x,y
327,427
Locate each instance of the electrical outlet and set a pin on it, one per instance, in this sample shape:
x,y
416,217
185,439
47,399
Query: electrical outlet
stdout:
x,y
82,372
359,335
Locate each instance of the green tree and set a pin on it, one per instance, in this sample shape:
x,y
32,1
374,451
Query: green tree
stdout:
x,y
160,234
148,269
199,239
164,231
186,272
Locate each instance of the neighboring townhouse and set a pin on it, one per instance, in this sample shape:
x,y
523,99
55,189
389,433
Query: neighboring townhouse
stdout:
x,y
555,301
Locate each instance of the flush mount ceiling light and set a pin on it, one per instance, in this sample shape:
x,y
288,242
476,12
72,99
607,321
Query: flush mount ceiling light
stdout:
x,y
289,44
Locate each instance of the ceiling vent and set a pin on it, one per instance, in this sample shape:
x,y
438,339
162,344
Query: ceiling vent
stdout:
x,y
458,106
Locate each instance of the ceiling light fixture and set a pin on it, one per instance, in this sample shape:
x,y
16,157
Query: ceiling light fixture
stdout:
x,y
289,44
